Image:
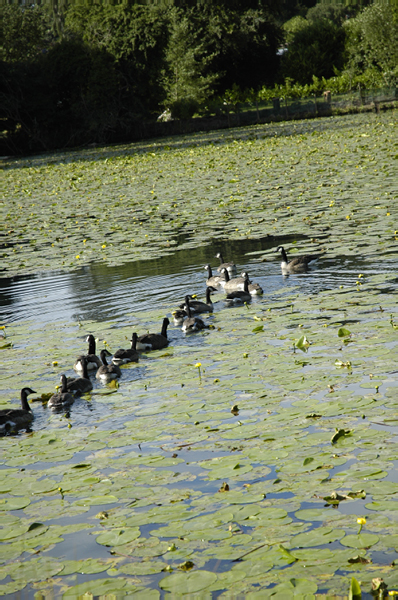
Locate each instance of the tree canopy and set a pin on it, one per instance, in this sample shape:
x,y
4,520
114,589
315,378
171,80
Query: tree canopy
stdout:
x,y
82,73
372,41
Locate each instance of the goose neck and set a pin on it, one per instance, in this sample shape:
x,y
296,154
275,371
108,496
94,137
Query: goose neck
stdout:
x,y
84,365
91,344
164,327
64,384
134,341
24,400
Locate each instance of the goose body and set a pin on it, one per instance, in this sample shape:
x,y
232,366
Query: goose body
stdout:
x,y
231,285
240,296
121,357
107,373
299,264
215,281
17,418
238,283
230,266
197,307
80,385
154,341
63,398
93,362
191,323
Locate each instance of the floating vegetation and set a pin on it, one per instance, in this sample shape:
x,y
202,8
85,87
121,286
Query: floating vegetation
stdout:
x,y
250,457
331,180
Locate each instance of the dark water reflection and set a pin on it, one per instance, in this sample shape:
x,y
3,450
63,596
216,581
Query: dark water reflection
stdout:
x,y
99,292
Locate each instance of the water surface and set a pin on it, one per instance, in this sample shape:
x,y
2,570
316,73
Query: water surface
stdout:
x,y
99,292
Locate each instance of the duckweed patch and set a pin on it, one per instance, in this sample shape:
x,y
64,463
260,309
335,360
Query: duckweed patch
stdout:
x,y
158,487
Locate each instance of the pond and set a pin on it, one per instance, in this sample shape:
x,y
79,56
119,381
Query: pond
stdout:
x,y
160,283
237,458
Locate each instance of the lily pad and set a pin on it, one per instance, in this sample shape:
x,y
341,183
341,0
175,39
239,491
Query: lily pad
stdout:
x,y
117,537
361,540
188,583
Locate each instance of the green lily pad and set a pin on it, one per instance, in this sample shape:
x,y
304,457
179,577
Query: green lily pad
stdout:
x,y
87,566
317,537
13,503
361,540
117,537
188,583
98,587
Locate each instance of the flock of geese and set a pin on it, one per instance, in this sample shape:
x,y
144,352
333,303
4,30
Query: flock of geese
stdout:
x,y
239,290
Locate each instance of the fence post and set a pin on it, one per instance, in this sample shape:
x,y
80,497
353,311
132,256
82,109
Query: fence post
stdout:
x,y
360,94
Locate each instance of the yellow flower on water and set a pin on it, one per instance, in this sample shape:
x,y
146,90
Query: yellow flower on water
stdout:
x,y
197,366
103,246
77,255
361,522
55,363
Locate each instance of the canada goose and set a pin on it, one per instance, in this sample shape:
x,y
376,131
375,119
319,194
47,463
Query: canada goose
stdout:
x,y
17,418
230,266
238,284
122,357
154,341
107,373
299,264
213,280
255,289
191,323
197,306
240,296
230,285
93,362
191,299
80,385
62,398
179,315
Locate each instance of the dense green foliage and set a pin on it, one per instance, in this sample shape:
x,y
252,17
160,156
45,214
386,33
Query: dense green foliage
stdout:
x,y
315,48
23,33
135,37
93,74
372,42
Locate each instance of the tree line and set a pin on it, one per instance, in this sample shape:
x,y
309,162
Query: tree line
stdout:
x,y
94,73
